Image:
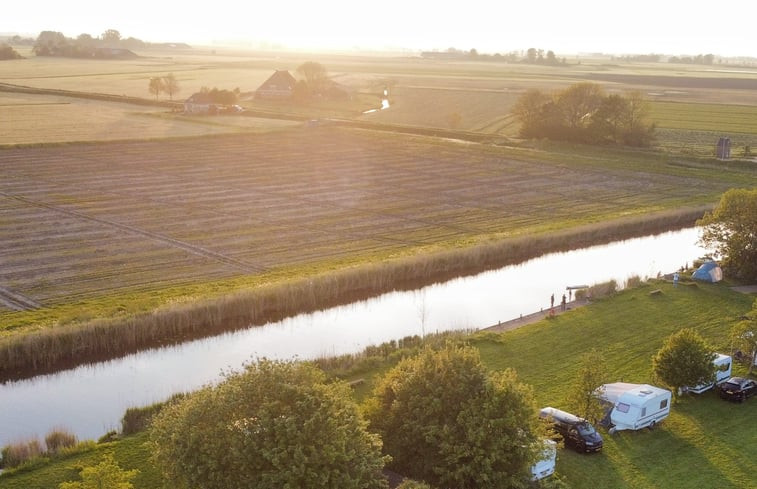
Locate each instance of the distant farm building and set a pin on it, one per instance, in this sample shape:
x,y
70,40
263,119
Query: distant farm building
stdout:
x,y
114,53
280,85
200,103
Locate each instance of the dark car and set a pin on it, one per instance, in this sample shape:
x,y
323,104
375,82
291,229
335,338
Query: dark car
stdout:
x,y
738,389
576,432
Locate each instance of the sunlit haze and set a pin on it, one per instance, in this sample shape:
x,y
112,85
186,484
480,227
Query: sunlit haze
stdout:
x,y
581,26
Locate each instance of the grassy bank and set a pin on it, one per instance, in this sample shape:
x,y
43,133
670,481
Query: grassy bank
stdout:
x,y
29,351
706,442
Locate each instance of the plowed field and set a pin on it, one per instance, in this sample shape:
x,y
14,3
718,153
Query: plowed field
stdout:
x,y
82,221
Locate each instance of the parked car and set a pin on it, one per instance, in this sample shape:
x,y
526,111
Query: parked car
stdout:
x,y
738,389
576,432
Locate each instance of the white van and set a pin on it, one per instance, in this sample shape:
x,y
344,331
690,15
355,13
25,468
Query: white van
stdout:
x,y
722,373
545,466
634,406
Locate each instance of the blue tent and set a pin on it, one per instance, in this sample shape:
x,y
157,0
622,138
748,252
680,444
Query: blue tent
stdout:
x,y
710,271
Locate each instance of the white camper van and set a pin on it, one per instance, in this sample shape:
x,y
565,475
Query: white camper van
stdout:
x,y
722,373
545,466
634,406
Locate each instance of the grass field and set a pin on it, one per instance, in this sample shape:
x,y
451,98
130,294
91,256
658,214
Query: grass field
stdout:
x,y
706,442
461,94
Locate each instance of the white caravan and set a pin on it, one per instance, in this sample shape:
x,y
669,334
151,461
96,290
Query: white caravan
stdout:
x,y
545,466
635,406
722,373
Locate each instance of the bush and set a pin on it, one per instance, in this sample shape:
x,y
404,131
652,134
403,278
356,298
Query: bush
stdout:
x,y
58,439
19,453
108,437
605,289
138,419
633,282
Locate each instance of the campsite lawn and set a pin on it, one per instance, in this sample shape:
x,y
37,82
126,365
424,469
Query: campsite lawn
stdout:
x,y
706,442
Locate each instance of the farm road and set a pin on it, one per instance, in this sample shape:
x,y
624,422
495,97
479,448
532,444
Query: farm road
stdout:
x,y
82,221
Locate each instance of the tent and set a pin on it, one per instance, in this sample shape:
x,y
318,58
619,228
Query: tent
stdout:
x,y
710,271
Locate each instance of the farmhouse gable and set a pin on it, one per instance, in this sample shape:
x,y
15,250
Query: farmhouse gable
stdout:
x,y
199,103
279,85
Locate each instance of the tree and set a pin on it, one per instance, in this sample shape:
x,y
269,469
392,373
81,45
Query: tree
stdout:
x,y
529,109
448,422
685,359
578,103
731,231
531,55
7,52
170,85
156,86
592,373
608,122
111,36
315,76
105,474
744,336
49,43
275,424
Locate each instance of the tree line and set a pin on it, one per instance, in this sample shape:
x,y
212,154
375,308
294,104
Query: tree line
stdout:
x,y
584,113
530,56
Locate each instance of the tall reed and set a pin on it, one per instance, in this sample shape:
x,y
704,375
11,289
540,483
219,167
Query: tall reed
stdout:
x,y
52,349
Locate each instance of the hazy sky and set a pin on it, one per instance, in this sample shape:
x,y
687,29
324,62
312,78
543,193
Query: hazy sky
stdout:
x,y
564,26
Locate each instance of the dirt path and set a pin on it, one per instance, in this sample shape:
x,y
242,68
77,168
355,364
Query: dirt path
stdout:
x,y
534,317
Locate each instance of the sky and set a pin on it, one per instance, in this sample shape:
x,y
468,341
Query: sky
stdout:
x,y
672,27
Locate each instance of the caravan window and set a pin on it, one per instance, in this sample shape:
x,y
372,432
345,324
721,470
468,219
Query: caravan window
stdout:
x,y
643,412
663,404
622,407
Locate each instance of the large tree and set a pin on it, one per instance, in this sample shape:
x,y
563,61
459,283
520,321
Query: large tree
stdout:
x,y
731,231
155,86
592,374
445,420
170,85
315,76
685,359
276,424
111,37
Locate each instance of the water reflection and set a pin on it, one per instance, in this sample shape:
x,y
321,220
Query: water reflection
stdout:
x,y
90,400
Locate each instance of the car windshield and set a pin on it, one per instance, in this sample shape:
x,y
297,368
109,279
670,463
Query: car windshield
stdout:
x,y
586,429
731,386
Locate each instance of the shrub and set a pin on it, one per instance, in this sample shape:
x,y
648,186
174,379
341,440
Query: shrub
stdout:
x,y
58,439
108,437
138,419
633,282
604,289
19,453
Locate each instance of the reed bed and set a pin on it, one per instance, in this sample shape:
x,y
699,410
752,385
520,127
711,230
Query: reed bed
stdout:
x,y
23,356
58,441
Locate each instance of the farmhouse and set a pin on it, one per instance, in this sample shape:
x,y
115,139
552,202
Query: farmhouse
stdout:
x,y
200,103
114,53
277,86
